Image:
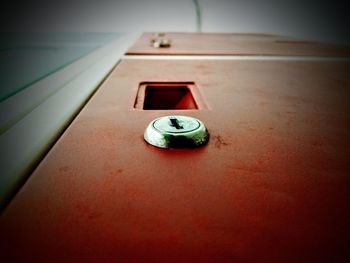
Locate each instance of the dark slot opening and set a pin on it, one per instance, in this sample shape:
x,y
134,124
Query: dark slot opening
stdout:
x,y
168,97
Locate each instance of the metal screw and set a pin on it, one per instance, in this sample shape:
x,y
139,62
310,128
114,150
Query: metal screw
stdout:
x,y
161,42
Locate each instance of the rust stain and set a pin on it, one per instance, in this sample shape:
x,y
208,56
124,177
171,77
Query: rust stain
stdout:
x,y
219,141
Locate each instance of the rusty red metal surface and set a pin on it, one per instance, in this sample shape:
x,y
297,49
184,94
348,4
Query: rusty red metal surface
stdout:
x,y
272,185
234,44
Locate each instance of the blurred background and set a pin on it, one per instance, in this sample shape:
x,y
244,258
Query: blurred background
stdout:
x,y
312,20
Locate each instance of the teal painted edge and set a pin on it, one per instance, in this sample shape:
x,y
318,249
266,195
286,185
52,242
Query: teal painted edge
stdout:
x,y
60,47
25,143
17,106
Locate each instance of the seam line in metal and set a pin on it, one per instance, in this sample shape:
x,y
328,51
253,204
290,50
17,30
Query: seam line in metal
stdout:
x,y
234,57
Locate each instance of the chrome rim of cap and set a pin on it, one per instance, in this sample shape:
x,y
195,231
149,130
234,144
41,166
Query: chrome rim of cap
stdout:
x,y
176,132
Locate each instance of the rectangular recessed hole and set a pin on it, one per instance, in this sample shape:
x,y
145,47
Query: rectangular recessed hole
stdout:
x,y
167,96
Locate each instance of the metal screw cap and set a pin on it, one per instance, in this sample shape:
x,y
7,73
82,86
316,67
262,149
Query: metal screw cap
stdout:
x,y
161,43
176,132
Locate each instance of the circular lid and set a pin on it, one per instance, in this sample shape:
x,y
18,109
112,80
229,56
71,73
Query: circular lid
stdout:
x,y
176,132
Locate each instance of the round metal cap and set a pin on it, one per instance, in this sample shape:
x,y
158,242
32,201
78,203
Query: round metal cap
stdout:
x,y
161,42
176,132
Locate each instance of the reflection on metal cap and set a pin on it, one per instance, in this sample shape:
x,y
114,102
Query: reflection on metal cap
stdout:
x,y
176,132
